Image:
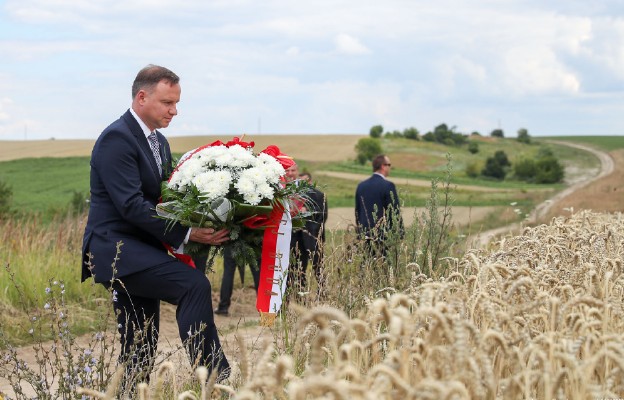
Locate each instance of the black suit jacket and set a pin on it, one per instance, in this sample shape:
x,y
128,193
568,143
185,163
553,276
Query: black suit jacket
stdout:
x,y
125,188
313,227
373,197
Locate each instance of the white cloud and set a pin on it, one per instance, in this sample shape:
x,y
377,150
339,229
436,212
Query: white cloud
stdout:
x,y
346,44
4,113
293,51
292,64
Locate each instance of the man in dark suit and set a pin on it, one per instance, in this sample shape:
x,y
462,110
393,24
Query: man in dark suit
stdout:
x,y
124,243
377,207
308,242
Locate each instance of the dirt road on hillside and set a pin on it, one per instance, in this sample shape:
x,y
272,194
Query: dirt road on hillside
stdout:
x,y
410,182
542,210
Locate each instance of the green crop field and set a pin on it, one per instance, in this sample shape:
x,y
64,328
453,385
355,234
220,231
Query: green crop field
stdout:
x,y
607,143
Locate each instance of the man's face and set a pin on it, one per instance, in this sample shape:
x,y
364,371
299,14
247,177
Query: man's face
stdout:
x,y
385,167
292,173
158,106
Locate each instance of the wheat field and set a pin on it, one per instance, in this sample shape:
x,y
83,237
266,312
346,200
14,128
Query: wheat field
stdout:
x,y
301,147
539,315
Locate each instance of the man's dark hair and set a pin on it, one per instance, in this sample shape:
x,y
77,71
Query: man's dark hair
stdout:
x,y
309,175
378,162
148,78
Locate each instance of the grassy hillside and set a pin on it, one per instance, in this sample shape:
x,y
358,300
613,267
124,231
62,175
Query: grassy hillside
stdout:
x,y
607,143
47,185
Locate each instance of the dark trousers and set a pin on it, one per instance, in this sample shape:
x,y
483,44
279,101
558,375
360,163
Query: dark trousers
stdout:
x,y
137,302
304,247
227,281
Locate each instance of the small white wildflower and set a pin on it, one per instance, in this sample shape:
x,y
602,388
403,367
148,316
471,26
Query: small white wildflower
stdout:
x,y
31,331
48,290
46,306
55,283
513,203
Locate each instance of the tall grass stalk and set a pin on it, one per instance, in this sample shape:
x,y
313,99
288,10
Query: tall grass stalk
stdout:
x,y
33,253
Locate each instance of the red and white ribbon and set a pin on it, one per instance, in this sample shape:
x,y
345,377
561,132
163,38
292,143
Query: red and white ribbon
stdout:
x,y
274,265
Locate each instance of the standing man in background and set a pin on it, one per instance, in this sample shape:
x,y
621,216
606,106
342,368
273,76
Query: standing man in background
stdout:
x,y
124,246
308,242
377,207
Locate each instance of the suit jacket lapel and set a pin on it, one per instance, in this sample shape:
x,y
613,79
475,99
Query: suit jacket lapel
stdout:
x,y
142,141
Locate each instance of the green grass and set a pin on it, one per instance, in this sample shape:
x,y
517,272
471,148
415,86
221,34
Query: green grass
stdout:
x,y
602,142
45,185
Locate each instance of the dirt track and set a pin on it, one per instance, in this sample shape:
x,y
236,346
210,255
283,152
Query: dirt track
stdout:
x,y
543,211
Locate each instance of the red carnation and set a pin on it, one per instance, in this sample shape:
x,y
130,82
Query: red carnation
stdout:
x,y
237,141
282,158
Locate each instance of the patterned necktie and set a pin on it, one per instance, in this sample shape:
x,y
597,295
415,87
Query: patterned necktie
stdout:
x,y
155,146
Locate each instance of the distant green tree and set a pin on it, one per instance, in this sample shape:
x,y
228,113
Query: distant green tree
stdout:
x,y
473,147
411,133
428,137
493,169
525,169
376,131
543,168
496,166
497,133
549,170
475,133
366,149
445,135
523,136
501,158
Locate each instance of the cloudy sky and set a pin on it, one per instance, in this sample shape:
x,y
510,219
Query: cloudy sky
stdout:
x,y
553,67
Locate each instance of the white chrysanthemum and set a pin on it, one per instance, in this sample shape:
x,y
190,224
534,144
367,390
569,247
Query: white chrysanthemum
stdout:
x,y
265,191
241,157
271,167
252,185
213,184
211,152
185,174
208,155
224,160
